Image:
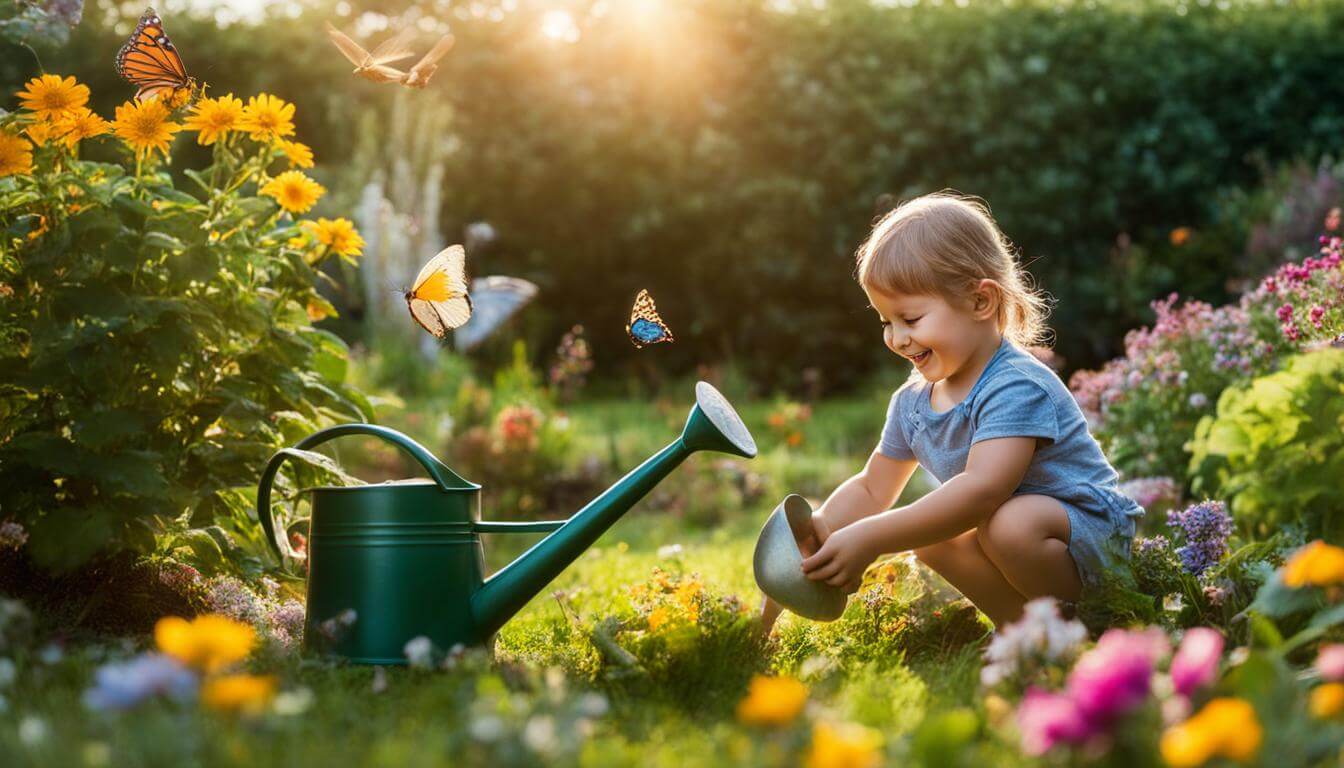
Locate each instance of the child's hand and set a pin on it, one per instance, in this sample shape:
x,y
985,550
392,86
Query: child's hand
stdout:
x,y
843,558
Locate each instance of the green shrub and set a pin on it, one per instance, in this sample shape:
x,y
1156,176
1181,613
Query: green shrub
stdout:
x,y
1275,448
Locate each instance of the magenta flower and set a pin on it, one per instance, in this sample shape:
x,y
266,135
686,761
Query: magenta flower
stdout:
x,y
1196,662
1046,719
1115,676
1330,662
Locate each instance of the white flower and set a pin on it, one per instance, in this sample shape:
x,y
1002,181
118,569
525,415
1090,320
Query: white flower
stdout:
x,y
539,733
669,551
420,652
32,731
1040,636
1199,400
289,703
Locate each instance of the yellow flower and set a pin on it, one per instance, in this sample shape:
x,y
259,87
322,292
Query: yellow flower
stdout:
x,y
846,745
295,192
40,132
318,309
1327,700
81,124
210,642
51,96
238,693
1225,727
267,118
772,701
1180,236
145,126
338,234
1317,564
16,155
657,618
212,118
300,155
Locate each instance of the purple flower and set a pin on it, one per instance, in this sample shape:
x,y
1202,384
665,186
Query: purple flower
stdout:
x,y
231,597
1115,676
1206,527
1046,719
1196,662
287,622
124,685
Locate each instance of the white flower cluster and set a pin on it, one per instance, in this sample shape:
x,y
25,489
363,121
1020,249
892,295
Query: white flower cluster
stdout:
x,y
1041,636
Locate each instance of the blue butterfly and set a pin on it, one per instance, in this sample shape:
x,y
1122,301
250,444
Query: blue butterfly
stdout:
x,y
645,326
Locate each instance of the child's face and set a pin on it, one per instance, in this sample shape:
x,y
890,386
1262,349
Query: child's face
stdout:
x,y
938,337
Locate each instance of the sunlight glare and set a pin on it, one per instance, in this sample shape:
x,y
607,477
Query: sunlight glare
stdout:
x,y
559,25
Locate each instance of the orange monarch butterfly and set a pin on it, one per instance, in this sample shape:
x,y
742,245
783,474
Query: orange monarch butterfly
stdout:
x,y
150,61
439,300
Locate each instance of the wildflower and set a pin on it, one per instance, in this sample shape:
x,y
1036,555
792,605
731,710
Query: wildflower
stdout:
x,y
52,96
339,235
1317,312
208,642
238,693
79,124
287,621
1180,236
1115,676
145,126
1040,636
1317,564
1225,727
658,617
267,118
772,701
1198,400
300,155
122,686
1196,661
419,652
1046,719
1149,492
214,118
539,733
1330,662
1206,527
1326,700
40,132
33,731
843,745
16,156
230,597
12,535
295,192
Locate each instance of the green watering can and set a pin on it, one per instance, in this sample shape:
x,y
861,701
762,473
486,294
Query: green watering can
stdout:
x,y
406,556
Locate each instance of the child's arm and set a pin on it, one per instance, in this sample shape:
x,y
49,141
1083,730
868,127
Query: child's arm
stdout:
x,y
994,469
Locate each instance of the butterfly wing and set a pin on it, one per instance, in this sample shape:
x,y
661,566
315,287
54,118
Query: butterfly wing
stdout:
x,y
439,300
431,59
494,300
150,61
349,48
395,48
646,327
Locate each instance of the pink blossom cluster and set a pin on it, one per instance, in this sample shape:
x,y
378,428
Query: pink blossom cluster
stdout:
x,y
286,622
1306,297
1111,680
1152,493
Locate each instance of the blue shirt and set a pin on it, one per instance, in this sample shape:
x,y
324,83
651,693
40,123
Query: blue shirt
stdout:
x,y
1015,396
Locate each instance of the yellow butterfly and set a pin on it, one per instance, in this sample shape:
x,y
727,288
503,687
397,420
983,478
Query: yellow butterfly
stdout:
x,y
439,300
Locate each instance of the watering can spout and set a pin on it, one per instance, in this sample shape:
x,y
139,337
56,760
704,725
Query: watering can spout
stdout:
x,y
713,425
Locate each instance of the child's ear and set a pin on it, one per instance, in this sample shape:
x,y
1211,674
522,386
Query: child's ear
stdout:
x,y
986,299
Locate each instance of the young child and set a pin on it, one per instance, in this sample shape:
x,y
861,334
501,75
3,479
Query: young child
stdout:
x,y
1028,506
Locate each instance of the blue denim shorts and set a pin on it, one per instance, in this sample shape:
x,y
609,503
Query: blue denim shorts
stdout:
x,y
1099,543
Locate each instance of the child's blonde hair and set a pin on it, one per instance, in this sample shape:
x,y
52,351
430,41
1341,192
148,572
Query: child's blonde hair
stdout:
x,y
944,244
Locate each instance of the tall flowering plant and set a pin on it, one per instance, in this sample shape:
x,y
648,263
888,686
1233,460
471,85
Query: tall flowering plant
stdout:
x,y
156,343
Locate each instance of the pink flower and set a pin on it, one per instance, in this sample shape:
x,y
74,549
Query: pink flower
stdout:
x,y
1046,719
1196,662
1317,312
1330,662
1116,675
1285,313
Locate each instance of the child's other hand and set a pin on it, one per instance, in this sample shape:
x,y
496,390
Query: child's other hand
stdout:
x,y
842,559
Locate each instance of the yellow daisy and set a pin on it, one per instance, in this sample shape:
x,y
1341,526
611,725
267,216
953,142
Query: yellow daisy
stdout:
x,y
772,701
295,192
267,118
51,96
299,154
81,124
145,126
210,642
213,118
339,235
41,131
238,693
16,155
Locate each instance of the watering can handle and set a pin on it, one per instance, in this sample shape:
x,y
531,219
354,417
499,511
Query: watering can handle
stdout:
x,y
446,478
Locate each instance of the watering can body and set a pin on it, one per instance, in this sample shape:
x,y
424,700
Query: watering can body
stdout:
x,y
394,561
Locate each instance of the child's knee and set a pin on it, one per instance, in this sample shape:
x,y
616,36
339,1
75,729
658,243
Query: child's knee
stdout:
x,y
1020,524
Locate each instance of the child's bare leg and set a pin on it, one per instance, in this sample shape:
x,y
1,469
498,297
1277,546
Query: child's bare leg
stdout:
x,y
1027,540
965,565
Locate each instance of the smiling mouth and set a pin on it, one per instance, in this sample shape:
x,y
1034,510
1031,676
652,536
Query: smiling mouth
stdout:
x,y
921,357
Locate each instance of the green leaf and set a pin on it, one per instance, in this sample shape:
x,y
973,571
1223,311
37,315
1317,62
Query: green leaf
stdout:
x,y
166,242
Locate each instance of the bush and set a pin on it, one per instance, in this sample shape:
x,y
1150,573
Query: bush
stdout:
x,y
156,347
1275,448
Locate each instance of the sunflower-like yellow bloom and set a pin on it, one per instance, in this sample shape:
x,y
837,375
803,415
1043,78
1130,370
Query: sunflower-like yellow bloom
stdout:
x,y
16,155
145,126
81,124
52,96
1327,700
210,642
238,693
1317,564
1225,727
213,118
300,155
267,118
40,132
295,192
843,745
772,701
339,235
